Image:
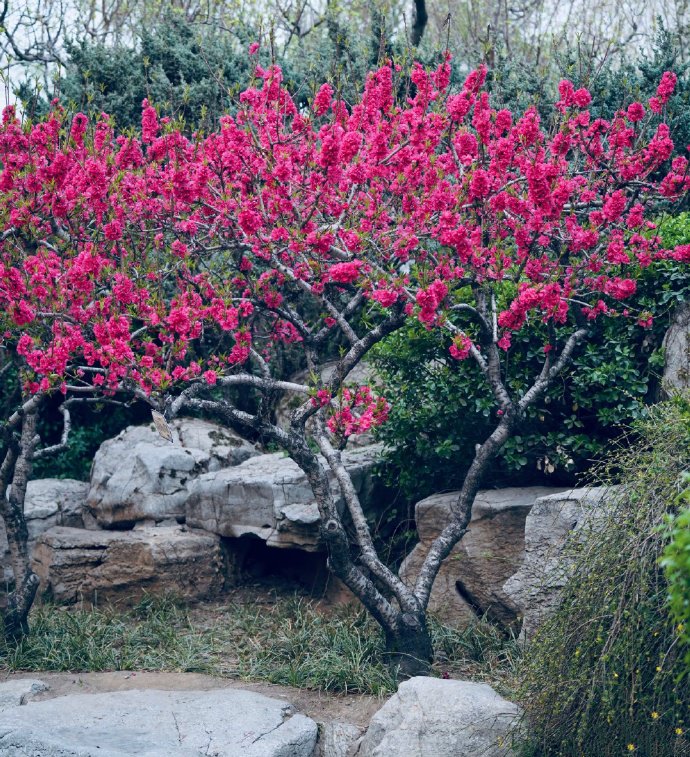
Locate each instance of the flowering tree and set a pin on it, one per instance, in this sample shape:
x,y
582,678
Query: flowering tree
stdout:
x,y
194,259
46,294
20,447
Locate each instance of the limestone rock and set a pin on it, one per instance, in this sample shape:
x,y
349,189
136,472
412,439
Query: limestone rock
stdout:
x,y
139,476
269,497
551,524
223,722
121,566
677,352
337,739
19,691
223,446
443,718
54,502
470,581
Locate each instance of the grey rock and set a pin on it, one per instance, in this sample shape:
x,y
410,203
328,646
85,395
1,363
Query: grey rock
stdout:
x,y
222,723
223,446
337,739
443,718
19,691
140,476
121,566
551,525
302,515
54,502
470,581
677,352
269,497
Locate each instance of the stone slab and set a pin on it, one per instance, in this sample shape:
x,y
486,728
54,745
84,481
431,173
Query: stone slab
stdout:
x,y
222,723
122,566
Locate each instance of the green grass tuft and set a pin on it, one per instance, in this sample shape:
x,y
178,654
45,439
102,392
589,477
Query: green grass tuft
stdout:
x,y
289,641
154,635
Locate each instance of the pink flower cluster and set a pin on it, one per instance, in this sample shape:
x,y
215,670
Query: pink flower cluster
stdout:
x,y
359,411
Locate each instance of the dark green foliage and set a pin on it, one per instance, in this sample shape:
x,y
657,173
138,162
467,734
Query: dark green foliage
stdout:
x,y
187,72
91,426
193,72
607,674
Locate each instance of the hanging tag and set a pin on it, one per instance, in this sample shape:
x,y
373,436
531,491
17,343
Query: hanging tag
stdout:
x,y
162,426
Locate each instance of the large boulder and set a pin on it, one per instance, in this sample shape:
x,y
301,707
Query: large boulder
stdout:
x,y
269,497
224,723
337,739
443,718
139,476
470,581
122,566
551,526
677,352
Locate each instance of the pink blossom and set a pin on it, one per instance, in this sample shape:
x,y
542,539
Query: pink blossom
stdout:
x,y
149,123
345,273
322,100
666,86
620,289
635,112
460,347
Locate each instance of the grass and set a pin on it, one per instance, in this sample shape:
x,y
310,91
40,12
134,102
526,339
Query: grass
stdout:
x,y
289,641
155,635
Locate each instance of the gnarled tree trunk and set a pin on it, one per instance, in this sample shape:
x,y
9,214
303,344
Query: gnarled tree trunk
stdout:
x,y
15,471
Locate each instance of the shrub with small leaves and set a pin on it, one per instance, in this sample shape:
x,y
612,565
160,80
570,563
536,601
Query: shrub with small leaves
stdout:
x,y
676,562
607,674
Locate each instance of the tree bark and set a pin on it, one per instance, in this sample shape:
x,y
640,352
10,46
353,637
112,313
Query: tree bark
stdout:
x,y
420,18
409,650
17,467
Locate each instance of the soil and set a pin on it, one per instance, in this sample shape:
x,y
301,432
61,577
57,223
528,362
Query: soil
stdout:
x,y
321,707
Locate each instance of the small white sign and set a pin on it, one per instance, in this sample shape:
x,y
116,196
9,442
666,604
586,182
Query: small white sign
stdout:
x,y
162,426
